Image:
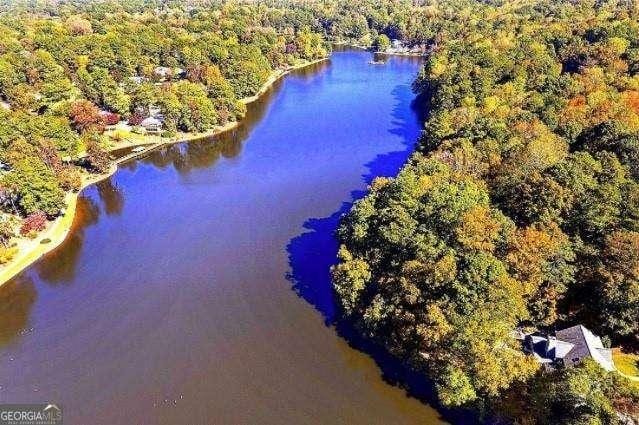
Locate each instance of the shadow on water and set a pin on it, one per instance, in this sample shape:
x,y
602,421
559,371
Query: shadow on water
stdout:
x,y
59,266
314,252
204,153
16,302
111,197
186,157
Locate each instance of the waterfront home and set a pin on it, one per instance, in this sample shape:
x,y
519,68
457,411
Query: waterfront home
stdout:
x,y
151,125
419,49
123,125
397,47
568,347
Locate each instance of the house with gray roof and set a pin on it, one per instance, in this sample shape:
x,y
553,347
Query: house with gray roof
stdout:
x,y
568,347
152,124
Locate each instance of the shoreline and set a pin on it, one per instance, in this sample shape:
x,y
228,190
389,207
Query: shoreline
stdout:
x,y
58,230
157,141
377,52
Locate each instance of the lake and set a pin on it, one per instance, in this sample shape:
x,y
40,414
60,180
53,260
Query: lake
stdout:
x,y
194,287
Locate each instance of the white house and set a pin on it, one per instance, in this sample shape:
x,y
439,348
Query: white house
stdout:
x,y
166,73
152,125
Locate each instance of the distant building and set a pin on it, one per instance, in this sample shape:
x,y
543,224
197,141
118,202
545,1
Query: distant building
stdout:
x,y
568,347
418,49
162,71
166,73
123,126
397,47
137,79
154,111
179,73
152,125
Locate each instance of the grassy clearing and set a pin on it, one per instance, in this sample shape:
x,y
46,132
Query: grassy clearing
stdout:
x,y
627,364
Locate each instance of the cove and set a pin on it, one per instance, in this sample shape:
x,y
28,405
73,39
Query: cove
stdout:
x,y
194,287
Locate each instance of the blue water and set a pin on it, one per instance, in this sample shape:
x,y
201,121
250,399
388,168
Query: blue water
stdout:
x,y
194,287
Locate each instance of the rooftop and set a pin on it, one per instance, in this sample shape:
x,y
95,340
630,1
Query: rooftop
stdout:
x,y
569,347
151,122
586,344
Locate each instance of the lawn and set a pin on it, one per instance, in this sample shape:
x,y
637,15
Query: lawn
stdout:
x,y
626,363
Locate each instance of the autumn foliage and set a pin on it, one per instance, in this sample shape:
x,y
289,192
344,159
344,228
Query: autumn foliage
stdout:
x,y
520,208
86,116
35,222
110,118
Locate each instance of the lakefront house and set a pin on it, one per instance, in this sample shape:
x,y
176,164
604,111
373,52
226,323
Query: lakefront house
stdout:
x,y
568,347
152,124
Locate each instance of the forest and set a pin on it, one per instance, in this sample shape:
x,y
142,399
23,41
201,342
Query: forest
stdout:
x,y
76,78
519,210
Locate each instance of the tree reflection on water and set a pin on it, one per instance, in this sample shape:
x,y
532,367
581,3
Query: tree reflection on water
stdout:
x,y
16,301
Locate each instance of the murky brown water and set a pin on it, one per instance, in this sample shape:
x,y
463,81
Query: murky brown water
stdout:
x,y
194,286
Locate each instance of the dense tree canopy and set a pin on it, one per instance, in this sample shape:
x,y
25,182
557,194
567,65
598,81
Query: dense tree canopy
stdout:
x,y
519,209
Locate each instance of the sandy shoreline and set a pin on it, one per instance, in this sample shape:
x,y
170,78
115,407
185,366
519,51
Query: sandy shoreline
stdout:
x,y
57,231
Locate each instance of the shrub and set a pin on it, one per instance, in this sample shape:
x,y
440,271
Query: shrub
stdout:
x,y
6,231
111,118
136,119
69,178
381,43
98,158
86,116
33,223
7,254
